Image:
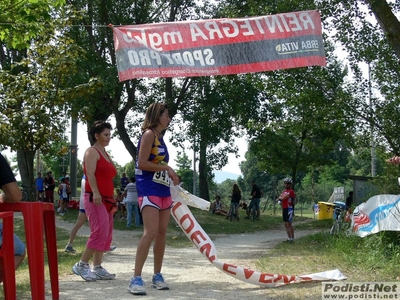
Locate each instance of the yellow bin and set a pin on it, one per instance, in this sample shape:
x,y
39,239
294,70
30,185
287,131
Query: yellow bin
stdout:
x,y
325,210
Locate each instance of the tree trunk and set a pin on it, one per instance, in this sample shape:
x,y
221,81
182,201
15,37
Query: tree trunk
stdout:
x,y
388,22
125,138
25,165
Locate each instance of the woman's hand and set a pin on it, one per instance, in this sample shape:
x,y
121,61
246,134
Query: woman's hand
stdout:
x,y
173,176
395,160
97,199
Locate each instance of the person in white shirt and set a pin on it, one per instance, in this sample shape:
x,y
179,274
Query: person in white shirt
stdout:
x,y
131,203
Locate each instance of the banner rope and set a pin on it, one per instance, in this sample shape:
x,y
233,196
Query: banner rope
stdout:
x,y
195,233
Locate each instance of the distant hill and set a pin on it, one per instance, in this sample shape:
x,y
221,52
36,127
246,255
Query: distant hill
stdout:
x,y
221,176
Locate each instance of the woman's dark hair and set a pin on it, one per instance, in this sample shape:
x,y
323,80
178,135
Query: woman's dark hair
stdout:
x,y
235,189
97,127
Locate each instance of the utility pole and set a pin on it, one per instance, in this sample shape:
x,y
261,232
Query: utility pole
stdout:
x,y
194,172
373,153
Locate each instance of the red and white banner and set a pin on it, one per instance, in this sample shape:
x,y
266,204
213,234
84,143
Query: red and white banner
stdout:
x,y
185,219
219,46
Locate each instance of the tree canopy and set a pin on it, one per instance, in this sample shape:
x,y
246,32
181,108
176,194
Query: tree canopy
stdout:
x,y
58,61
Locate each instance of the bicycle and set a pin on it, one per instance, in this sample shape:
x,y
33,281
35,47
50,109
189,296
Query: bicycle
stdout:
x,y
24,193
233,211
253,212
338,224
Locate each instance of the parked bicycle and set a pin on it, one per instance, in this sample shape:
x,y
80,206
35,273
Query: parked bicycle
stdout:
x,y
338,218
253,213
25,196
233,211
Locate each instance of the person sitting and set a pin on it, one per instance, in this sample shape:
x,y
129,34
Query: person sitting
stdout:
x,y
11,194
217,207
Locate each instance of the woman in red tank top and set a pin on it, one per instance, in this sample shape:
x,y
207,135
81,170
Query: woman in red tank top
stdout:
x,y
99,171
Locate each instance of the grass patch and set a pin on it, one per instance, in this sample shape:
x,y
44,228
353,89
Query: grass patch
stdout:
x,y
216,224
309,224
372,258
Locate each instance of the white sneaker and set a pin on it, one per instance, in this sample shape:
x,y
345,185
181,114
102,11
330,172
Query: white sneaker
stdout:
x,y
158,282
84,272
102,274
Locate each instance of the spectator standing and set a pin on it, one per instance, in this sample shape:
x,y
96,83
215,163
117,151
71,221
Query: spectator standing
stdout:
x,y
124,181
235,199
39,184
99,171
62,191
153,177
11,194
286,200
49,186
68,186
79,221
349,200
121,199
131,203
255,200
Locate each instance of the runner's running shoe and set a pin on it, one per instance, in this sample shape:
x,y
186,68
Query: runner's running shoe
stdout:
x,y
102,274
84,272
158,282
69,249
136,286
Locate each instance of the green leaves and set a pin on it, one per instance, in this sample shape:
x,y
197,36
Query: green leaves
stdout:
x,y
24,20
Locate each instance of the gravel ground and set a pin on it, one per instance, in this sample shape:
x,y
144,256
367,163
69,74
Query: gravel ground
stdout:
x,y
189,274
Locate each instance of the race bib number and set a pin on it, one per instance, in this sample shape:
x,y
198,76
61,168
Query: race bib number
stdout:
x,y
161,177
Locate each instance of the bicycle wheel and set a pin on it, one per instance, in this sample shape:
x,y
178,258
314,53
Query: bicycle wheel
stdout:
x,y
345,227
24,196
253,213
335,228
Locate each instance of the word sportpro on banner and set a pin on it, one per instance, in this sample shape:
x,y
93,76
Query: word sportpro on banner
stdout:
x,y
219,46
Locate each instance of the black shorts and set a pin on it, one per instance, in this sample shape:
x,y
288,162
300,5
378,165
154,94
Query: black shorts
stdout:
x,y
287,214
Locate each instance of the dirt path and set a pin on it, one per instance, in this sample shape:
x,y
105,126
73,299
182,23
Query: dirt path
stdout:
x,y
187,271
